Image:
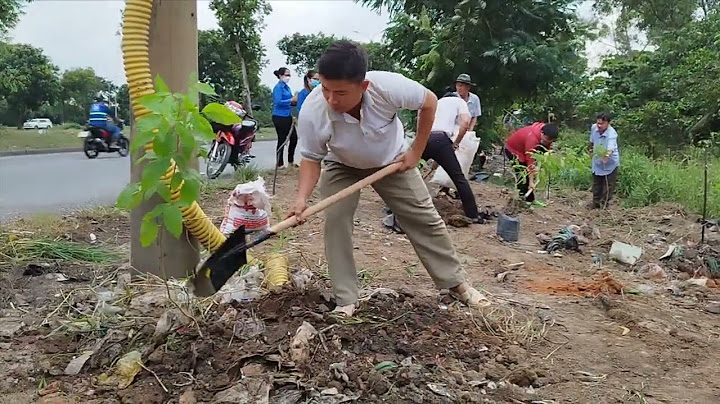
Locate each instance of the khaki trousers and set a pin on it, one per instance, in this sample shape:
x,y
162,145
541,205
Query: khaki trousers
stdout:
x,y
408,198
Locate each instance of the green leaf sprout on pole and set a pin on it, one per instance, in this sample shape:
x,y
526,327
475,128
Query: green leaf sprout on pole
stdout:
x,y
176,129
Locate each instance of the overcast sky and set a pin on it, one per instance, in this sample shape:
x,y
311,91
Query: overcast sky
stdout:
x,y
82,33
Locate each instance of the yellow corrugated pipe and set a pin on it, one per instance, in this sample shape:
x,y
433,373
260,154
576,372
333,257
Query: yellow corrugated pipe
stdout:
x,y
276,270
136,33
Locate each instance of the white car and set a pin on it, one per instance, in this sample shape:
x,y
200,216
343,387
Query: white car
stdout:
x,y
38,123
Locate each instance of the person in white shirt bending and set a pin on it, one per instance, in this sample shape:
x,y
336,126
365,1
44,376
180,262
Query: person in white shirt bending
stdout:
x,y
452,110
350,123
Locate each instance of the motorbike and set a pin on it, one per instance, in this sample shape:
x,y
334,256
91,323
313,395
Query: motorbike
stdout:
x,y
97,140
232,145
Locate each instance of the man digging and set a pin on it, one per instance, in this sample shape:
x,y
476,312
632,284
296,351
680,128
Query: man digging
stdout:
x,y
350,123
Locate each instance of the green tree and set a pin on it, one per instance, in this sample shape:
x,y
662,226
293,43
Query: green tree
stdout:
x,y
80,87
122,96
27,80
241,23
217,66
10,12
304,50
656,17
662,97
513,52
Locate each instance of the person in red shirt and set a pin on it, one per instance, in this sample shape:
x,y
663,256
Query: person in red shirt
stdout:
x,y
519,148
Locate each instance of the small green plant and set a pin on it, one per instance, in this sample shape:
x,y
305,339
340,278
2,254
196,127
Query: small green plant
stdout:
x,y
176,128
247,173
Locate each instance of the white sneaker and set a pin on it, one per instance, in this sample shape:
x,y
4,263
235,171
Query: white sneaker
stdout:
x,y
344,311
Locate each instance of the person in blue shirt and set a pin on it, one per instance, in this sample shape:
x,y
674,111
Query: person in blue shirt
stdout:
x,y
282,118
101,116
605,161
311,80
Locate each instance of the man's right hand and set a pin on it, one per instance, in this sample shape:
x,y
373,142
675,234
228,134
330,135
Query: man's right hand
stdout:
x,y
297,210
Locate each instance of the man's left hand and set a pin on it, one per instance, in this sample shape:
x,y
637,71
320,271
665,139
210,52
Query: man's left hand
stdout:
x,y
605,160
409,159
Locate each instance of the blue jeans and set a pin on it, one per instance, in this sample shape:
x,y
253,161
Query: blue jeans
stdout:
x,y
110,127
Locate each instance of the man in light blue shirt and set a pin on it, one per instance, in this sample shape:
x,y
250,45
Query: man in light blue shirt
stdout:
x,y
605,161
463,84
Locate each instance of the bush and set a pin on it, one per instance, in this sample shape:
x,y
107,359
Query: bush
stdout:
x,y
642,181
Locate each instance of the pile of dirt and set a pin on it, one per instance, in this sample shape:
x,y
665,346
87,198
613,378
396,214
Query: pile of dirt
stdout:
x,y
399,347
601,284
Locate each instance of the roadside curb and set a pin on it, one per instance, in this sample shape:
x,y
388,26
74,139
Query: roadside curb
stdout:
x,y
39,151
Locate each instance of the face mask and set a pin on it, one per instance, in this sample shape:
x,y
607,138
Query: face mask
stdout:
x,y
314,83
284,79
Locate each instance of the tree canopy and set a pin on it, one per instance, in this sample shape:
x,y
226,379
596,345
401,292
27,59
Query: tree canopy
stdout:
x,y
304,50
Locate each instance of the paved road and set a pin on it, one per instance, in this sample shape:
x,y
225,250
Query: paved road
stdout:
x,y
65,181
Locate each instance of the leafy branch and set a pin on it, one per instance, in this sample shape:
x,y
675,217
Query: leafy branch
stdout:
x,y
176,128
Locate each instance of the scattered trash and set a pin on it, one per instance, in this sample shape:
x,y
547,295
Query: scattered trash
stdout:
x,y
333,391
653,271
502,276
75,365
481,177
338,371
249,206
670,252
248,328
124,371
93,238
564,239
301,279
625,330
440,390
105,305
625,253
391,223
508,228
243,286
250,390
642,290
300,346
386,365
169,321
597,259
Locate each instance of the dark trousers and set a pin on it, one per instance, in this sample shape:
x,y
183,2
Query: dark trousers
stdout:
x,y
440,149
521,174
285,128
603,188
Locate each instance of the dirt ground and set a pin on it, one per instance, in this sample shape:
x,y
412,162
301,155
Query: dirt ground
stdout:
x,y
565,327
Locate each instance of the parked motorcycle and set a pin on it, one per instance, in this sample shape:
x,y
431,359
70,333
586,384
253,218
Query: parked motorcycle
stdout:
x,y
97,140
232,145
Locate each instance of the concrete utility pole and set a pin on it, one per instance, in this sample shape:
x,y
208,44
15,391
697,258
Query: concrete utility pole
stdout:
x,y
174,56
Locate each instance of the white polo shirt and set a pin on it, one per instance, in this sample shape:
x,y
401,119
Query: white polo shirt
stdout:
x,y
374,141
448,110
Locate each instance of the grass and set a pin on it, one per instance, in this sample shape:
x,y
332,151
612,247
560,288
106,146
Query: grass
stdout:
x,y
642,181
266,134
12,139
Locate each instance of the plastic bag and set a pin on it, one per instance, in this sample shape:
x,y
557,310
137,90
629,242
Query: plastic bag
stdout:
x,y
465,155
249,206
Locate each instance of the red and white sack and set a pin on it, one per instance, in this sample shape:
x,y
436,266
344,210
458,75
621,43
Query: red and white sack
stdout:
x,y
249,206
